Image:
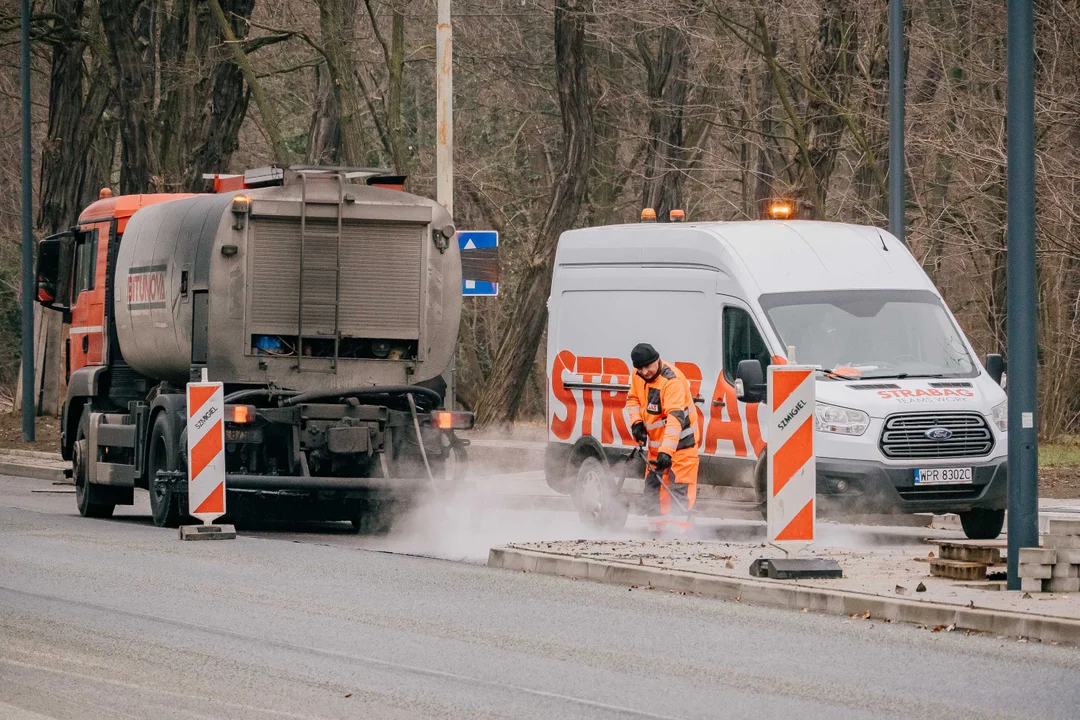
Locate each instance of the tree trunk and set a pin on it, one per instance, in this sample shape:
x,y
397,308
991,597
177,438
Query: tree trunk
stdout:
x,y
395,78
336,21
324,137
128,29
834,68
668,88
498,403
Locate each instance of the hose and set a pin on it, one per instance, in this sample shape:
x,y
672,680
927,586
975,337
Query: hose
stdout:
x,y
410,390
420,442
258,392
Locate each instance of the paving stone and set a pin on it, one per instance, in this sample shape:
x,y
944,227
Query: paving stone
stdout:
x,y
1064,585
1066,556
1068,542
1064,570
960,570
1064,526
1043,572
1032,584
1039,556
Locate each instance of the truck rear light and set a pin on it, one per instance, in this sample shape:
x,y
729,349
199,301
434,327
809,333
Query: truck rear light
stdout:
x,y
240,414
452,420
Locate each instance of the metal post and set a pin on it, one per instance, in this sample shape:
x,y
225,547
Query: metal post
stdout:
x,y
444,140
28,404
896,119
1023,530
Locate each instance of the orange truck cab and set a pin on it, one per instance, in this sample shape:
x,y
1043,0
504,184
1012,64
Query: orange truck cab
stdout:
x,y
83,293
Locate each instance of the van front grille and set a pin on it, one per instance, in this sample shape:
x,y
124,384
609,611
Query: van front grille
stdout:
x,y
936,435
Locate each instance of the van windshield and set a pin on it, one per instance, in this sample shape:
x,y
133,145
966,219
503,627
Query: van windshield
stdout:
x,y
871,333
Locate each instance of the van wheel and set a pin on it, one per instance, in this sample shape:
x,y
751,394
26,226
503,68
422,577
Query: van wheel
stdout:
x,y
982,524
94,501
163,455
597,502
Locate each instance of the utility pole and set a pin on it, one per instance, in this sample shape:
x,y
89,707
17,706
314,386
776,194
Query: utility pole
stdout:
x,y
28,404
444,90
1023,530
444,141
896,120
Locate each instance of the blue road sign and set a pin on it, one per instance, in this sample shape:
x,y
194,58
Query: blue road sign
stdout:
x,y
477,240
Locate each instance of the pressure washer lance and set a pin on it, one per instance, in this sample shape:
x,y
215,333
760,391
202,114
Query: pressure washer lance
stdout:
x,y
663,480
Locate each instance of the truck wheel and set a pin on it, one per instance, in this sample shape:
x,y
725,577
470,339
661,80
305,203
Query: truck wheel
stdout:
x,y
94,501
597,502
373,517
163,455
982,524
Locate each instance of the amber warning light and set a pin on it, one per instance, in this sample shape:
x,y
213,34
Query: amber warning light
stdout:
x,y
780,210
240,414
451,420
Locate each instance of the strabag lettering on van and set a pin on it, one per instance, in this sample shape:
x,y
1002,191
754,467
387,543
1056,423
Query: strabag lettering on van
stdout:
x,y
575,383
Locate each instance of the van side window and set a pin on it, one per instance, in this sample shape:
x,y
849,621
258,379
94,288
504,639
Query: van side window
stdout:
x,y
742,341
85,261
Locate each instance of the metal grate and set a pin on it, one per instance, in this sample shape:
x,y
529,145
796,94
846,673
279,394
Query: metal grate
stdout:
x,y
885,386
950,384
908,436
378,290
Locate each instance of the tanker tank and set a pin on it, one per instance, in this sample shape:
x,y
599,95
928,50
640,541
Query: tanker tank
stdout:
x,y
314,284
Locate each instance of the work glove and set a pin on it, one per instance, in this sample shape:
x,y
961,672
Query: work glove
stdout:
x,y
663,461
641,435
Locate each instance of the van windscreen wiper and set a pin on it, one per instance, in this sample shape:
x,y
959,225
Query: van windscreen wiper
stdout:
x,y
838,376
908,376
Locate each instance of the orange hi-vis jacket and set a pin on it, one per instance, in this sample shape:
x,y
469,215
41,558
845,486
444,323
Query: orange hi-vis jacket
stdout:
x,y
666,407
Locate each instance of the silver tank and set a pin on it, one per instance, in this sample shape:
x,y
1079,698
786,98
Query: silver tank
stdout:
x,y
365,291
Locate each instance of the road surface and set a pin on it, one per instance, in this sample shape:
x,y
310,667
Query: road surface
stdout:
x,y
119,619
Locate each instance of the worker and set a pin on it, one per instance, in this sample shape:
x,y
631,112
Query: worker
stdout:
x,y
663,416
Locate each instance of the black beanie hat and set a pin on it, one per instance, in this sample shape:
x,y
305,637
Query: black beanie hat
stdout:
x,y
643,354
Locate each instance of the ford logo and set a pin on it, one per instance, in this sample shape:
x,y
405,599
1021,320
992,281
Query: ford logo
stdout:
x,y
938,433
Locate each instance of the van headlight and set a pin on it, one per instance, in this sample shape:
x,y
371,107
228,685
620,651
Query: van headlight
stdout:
x,y
842,421
1000,415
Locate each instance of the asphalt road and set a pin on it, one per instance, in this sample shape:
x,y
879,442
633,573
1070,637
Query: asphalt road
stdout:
x,y
120,619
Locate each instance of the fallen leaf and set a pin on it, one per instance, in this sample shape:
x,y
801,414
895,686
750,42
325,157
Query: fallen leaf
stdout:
x,y
901,590
729,565
640,561
1026,596
950,628
349,695
938,628
931,554
971,603
920,588
865,615
806,609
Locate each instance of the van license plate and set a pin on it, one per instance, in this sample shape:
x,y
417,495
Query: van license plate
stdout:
x,y
943,476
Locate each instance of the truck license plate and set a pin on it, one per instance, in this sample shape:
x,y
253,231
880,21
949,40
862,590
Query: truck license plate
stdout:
x,y
943,476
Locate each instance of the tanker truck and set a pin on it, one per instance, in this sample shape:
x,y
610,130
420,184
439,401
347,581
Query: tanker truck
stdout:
x,y
327,302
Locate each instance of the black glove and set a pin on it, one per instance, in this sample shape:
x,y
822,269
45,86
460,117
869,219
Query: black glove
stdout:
x,y
663,461
639,432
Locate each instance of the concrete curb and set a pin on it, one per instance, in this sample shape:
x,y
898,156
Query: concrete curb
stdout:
x,y
790,595
14,466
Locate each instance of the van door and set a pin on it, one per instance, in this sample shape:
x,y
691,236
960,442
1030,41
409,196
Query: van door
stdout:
x,y
732,440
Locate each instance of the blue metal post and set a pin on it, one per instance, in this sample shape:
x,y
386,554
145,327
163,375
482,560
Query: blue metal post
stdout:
x,y
896,119
1023,530
28,290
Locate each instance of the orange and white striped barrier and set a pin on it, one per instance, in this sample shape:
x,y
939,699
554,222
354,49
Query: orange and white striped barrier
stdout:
x,y
792,471
206,450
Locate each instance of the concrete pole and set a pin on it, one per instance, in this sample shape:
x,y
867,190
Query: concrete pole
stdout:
x,y
28,289
1023,530
896,119
444,141
444,93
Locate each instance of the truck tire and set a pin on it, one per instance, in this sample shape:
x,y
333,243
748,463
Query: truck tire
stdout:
x,y
163,454
982,524
596,499
94,501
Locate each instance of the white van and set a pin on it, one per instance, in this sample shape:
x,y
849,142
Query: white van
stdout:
x,y
908,420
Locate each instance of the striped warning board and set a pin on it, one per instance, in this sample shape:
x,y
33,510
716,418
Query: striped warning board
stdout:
x,y
206,450
792,470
